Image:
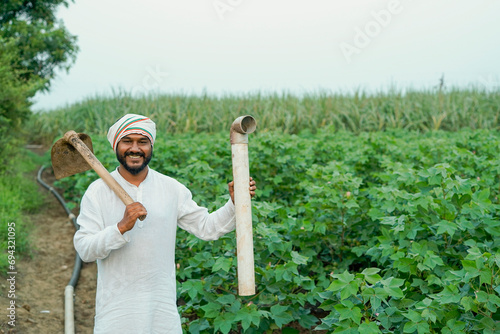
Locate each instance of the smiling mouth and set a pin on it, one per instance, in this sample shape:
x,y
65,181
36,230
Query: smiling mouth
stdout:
x,y
134,157
132,161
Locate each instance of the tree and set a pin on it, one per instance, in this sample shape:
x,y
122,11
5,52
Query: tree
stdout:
x,y
43,43
15,89
32,45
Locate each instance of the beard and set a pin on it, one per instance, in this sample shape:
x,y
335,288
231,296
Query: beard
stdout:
x,y
130,169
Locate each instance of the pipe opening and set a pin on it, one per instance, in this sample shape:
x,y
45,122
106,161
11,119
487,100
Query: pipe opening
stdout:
x,y
248,124
242,126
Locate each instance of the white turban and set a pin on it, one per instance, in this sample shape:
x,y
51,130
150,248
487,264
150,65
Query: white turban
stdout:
x,y
131,123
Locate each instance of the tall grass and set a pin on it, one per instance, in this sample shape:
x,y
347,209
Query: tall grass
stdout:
x,y
19,195
450,110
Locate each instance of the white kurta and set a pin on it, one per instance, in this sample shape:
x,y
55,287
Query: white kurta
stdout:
x,y
136,284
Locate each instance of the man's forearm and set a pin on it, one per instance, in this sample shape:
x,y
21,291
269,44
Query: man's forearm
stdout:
x,y
94,246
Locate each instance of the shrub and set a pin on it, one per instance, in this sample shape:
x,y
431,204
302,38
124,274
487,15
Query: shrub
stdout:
x,y
385,232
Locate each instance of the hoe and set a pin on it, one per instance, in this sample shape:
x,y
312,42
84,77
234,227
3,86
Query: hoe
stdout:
x,y
73,154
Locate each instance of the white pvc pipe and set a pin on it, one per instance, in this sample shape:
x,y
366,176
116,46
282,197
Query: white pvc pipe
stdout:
x,y
69,318
242,202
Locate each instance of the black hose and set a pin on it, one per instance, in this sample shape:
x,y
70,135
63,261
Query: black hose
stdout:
x,y
78,261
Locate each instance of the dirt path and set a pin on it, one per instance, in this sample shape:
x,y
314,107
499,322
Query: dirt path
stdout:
x,y
41,280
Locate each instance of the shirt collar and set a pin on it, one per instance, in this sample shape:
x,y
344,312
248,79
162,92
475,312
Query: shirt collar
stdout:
x,y
148,177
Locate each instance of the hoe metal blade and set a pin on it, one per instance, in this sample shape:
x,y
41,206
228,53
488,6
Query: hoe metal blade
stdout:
x,y
66,160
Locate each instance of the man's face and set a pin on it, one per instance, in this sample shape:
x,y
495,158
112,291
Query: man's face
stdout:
x,y
134,152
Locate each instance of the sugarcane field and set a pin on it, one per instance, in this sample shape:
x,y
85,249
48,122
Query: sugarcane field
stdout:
x,y
211,171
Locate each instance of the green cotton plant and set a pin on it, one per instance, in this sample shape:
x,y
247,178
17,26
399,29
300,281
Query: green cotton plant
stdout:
x,y
383,232
431,240
333,208
362,302
209,283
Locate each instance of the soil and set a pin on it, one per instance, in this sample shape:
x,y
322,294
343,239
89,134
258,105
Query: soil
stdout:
x,y
42,278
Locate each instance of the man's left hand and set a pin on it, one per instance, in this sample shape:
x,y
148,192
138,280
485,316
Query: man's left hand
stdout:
x,y
252,188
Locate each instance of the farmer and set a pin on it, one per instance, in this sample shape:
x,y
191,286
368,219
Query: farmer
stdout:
x,y
136,285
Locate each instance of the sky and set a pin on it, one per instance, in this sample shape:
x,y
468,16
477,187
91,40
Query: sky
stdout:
x,y
223,47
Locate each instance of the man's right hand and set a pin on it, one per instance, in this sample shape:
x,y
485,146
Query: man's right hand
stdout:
x,y
132,213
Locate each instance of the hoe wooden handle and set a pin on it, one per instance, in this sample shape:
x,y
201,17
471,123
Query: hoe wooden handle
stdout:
x,y
72,138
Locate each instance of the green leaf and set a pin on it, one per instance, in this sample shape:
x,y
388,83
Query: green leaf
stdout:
x,y
484,196
212,310
198,325
494,299
467,302
370,271
234,307
224,322
445,226
450,294
345,277
193,288
428,314
485,276
299,259
348,328
281,315
308,321
470,267
410,327
391,286
487,323
371,275
431,260
381,293
405,265
474,253
433,279
369,328
413,316
336,286
464,199
247,316
227,299
393,282
481,296
345,284
223,263
349,290
455,326
394,292
421,327
352,313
